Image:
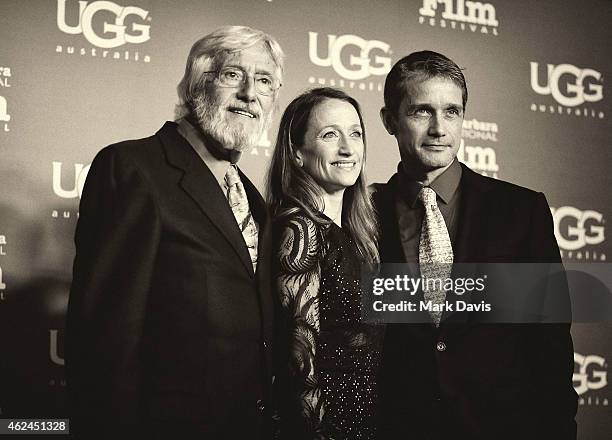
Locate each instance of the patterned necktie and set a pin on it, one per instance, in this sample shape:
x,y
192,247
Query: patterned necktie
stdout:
x,y
238,201
435,252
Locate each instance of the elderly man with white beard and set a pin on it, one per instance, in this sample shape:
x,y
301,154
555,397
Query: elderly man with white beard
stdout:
x,y
169,330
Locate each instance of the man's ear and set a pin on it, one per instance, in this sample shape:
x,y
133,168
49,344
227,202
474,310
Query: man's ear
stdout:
x,y
388,120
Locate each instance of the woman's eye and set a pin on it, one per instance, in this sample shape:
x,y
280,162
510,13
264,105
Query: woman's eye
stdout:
x,y
357,134
329,135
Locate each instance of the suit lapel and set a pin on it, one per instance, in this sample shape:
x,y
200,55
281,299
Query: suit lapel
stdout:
x,y
257,204
472,216
200,184
258,208
264,258
469,242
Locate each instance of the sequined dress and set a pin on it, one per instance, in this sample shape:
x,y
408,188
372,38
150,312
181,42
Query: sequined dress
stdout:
x,y
333,357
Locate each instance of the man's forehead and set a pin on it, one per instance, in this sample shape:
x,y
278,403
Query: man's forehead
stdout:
x,y
424,90
255,56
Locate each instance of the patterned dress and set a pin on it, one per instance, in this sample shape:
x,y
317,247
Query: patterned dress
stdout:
x,y
333,358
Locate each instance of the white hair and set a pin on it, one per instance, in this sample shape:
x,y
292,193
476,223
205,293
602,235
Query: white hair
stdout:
x,y
210,52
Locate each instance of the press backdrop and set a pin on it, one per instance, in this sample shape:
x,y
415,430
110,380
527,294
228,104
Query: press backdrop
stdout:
x,y
76,76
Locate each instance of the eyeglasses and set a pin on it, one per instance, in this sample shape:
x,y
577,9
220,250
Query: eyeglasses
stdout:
x,y
232,77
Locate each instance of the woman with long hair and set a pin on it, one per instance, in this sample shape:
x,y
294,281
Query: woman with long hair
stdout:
x,y
326,230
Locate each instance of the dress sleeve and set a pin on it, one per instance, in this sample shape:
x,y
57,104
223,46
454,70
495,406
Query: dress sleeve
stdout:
x,y
298,285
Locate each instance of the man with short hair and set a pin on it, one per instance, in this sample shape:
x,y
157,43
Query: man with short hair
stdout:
x,y
451,376
169,326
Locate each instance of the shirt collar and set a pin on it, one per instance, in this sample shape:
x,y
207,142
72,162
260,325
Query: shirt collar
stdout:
x,y
217,167
445,185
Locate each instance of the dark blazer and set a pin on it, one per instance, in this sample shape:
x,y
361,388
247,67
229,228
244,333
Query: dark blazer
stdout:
x,y
489,380
168,330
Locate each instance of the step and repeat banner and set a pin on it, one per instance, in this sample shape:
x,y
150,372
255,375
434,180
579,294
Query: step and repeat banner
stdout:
x,y
76,76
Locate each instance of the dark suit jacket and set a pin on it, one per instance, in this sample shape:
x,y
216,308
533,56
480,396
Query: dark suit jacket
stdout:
x,y
491,380
169,330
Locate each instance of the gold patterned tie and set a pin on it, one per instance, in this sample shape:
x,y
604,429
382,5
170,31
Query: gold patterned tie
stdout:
x,y
238,201
435,252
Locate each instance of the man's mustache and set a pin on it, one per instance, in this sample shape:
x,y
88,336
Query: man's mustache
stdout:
x,y
245,108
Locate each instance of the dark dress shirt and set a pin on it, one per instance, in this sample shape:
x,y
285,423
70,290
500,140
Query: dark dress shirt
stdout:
x,y
410,211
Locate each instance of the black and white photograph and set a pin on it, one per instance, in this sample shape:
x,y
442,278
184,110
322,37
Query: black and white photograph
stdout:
x,y
305,220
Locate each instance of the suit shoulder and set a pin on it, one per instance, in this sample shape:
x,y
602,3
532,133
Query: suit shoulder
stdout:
x,y
380,192
375,188
124,163
504,188
130,148
144,156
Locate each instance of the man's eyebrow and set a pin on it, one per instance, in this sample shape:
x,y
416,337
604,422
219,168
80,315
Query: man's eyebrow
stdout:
x,y
259,71
455,106
428,106
424,105
233,66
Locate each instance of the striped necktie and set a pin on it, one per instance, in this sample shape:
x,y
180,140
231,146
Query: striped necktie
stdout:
x,y
435,252
238,201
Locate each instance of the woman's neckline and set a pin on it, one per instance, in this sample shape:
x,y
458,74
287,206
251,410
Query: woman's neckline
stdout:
x,y
322,214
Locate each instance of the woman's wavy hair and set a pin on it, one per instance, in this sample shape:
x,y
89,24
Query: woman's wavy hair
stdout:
x,y
292,190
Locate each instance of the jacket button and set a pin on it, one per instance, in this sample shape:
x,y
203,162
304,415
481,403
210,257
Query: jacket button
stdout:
x,y
265,344
441,346
260,405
